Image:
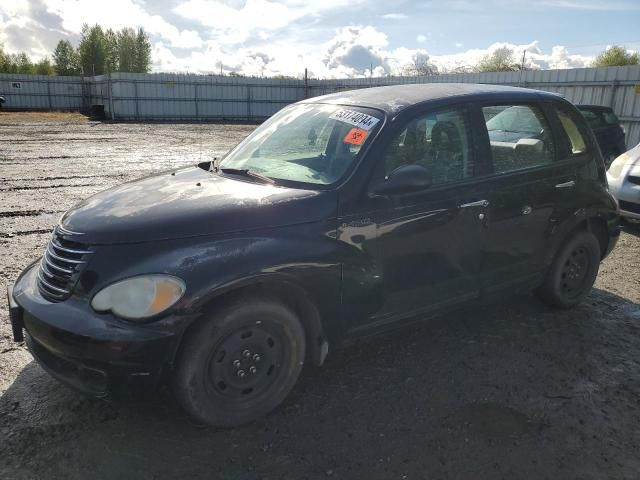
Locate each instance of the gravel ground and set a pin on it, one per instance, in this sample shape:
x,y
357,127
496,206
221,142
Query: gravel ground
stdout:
x,y
510,390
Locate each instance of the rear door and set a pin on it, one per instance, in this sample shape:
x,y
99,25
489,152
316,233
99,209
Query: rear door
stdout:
x,y
525,185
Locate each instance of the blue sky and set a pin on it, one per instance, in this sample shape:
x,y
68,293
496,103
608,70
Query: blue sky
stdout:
x,y
334,38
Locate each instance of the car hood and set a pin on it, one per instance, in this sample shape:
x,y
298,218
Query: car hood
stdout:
x,y
192,202
630,157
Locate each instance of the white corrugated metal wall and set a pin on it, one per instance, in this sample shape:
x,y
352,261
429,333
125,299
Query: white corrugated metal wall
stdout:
x,y
200,97
41,92
173,97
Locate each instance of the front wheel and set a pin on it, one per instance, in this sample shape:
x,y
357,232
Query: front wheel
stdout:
x,y
240,364
573,272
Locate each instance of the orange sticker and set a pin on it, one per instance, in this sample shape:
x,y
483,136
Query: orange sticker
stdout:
x,y
356,136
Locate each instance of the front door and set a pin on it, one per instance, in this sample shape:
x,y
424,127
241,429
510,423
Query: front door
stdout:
x,y
428,240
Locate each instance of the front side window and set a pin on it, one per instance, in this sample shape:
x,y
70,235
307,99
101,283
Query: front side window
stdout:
x,y
308,143
519,136
437,141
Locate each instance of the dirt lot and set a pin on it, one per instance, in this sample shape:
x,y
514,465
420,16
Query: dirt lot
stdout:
x,y
512,390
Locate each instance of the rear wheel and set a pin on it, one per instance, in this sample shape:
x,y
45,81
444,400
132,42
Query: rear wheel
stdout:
x,y
572,273
240,364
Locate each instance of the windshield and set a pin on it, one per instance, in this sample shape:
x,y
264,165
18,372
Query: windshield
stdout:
x,y
309,143
515,119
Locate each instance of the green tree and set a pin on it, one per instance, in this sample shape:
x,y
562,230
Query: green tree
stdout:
x,y
23,64
43,67
111,51
92,50
127,50
65,59
616,56
143,52
5,61
501,60
420,65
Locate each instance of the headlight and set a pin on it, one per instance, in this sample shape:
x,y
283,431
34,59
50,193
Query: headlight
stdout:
x,y
617,165
139,297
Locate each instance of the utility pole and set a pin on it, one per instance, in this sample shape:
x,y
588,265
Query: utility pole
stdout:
x,y
524,54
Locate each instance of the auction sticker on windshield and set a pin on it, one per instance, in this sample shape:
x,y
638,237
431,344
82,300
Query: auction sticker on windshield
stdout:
x,y
356,136
357,119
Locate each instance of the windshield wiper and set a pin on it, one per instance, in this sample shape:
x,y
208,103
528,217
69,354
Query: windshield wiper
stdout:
x,y
245,172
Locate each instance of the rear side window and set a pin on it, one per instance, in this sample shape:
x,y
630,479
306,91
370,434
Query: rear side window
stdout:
x,y
520,137
573,130
438,141
610,118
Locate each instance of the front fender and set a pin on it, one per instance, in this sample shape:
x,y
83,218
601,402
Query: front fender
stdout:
x,y
303,257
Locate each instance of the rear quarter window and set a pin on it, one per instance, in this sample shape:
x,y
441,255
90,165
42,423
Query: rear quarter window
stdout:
x,y
574,130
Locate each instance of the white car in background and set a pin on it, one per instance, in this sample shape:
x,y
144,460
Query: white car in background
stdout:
x,y
624,183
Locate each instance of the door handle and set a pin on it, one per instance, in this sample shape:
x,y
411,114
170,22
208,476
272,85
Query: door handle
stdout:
x,y
569,184
479,203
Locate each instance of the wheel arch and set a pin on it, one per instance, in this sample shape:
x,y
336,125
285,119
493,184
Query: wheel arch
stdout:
x,y
598,226
594,224
281,288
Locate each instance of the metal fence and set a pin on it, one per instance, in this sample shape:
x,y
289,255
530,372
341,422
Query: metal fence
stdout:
x,y
174,97
41,92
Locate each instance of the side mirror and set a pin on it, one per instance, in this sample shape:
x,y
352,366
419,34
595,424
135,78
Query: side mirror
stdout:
x,y
404,179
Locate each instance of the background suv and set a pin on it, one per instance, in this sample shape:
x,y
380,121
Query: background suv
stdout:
x,y
610,134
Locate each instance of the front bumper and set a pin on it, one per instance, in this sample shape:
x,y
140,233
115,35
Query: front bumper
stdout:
x,y
93,353
626,192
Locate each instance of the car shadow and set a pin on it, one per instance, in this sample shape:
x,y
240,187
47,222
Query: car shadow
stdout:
x,y
488,390
632,228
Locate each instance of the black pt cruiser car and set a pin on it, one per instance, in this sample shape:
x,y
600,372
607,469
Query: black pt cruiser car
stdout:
x,y
341,215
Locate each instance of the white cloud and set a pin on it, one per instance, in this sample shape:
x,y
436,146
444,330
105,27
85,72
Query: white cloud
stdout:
x,y
395,16
233,22
119,14
350,53
535,57
596,5
13,8
214,34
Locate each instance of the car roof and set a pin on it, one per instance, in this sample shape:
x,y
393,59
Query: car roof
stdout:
x,y
393,99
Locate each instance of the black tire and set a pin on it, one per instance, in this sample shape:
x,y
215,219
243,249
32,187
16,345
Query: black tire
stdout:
x,y
573,272
259,338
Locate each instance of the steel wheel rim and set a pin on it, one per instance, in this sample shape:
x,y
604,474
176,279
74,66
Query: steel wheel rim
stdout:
x,y
574,271
246,363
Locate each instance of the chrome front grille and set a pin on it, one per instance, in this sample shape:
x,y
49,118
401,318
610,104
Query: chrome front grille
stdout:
x,y
61,265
